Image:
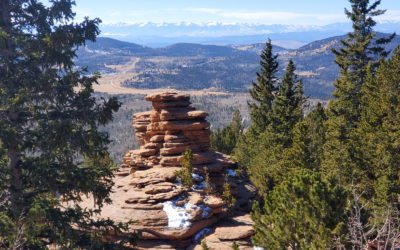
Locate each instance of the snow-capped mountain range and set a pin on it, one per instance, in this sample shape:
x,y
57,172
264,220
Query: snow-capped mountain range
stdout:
x,y
289,36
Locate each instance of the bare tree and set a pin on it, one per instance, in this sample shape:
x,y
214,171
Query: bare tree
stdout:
x,y
366,236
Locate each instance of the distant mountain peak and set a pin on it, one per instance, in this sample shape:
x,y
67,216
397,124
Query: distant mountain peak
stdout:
x,y
165,33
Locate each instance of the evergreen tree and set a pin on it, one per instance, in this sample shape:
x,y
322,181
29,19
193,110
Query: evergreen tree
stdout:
x,y
266,168
208,185
235,246
262,94
380,130
308,141
185,173
287,108
227,196
51,146
359,49
302,212
225,140
262,91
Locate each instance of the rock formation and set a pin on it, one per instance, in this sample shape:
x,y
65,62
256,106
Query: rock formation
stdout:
x,y
148,193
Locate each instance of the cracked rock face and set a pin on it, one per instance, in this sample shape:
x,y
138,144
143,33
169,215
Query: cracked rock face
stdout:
x,y
146,190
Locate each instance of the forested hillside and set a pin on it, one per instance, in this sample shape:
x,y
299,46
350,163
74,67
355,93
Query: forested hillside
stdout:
x,y
193,66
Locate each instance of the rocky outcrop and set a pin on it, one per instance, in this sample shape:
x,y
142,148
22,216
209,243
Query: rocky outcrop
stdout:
x,y
148,193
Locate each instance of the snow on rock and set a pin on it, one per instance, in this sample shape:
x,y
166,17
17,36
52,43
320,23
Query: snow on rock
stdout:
x,y
258,248
178,217
197,177
206,212
178,182
199,186
231,172
203,232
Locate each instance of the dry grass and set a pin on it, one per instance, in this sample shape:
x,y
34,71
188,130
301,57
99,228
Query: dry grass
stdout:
x,y
112,84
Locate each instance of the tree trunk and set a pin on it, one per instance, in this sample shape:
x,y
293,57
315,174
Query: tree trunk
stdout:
x,y
11,116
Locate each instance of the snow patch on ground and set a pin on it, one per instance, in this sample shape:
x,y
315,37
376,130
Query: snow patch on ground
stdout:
x,y
231,172
203,232
258,248
178,217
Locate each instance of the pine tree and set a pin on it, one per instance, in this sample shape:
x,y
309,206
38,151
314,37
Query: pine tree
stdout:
x,y
51,146
235,246
185,173
262,92
308,141
380,130
208,185
266,168
359,49
225,140
302,212
227,196
287,108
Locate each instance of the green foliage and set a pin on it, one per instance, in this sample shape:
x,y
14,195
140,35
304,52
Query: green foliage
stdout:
x,y
262,94
359,50
379,129
287,108
262,90
51,146
302,212
235,246
185,173
225,140
270,149
227,196
204,245
308,141
301,166
208,185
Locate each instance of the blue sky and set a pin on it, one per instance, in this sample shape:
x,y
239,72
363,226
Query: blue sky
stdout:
x,y
290,12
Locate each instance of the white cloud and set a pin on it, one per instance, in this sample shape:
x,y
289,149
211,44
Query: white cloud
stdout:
x,y
390,16
283,17
270,17
205,10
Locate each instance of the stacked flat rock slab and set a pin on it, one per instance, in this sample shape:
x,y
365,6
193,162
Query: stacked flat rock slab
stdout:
x,y
147,180
165,132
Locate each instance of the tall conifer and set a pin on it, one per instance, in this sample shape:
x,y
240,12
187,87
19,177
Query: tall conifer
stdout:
x,y
225,140
51,146
380,130
266,167
262,94
308,141
359,49
262,91
287,106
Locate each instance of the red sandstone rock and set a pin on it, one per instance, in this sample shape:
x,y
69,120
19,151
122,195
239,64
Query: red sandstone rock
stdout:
x,y
178,125
169,105
213,202
167,96
157,138
170,115
148,178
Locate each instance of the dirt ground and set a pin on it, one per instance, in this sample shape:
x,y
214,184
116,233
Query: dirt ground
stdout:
x,y
112,84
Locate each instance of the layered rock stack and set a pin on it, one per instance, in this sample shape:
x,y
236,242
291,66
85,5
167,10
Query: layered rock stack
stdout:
x,y
147,191
165,132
